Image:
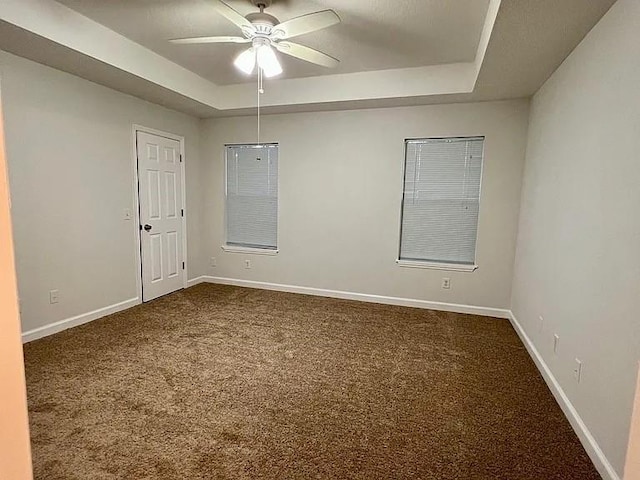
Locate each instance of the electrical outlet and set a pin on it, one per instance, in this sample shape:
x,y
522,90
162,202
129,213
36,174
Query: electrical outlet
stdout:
x,y
556,343
247,264
213,262
577,370
446,283
54,296
540,323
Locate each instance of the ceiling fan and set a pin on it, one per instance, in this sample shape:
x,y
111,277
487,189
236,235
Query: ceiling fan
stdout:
x,y
265,33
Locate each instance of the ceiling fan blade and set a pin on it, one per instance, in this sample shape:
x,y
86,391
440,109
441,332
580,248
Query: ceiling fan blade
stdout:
x,y
306,24
210,40
233,16
307,54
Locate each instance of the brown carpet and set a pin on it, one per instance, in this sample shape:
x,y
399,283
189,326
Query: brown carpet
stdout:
x,y
219,382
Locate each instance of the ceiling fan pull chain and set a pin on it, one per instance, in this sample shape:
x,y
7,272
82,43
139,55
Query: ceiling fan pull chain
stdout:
x,y
258,99
261,80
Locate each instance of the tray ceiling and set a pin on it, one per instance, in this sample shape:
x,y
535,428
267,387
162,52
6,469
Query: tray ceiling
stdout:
x,y
373,35
394,53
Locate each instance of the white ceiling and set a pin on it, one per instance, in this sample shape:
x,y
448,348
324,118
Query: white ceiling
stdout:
x,y
373,35
517,46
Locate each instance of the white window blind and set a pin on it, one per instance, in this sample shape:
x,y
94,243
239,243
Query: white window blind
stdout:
x,y
441,200
252,196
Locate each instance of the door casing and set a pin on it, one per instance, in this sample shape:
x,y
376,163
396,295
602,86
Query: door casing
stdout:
x,y
136,200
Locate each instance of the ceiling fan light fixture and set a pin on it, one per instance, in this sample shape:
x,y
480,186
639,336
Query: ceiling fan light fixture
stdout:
x,y
246,61
268,61
267,34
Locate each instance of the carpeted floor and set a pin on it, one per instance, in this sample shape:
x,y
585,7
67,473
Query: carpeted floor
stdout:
x,y
219,382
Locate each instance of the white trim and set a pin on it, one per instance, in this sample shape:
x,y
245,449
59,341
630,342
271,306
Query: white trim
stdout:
x,y
453,267
589,443
249,250
194,281
136,200
61,325
362,297
136,208
159,133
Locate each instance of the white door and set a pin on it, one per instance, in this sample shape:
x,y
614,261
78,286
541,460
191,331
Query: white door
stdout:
x,y
161,211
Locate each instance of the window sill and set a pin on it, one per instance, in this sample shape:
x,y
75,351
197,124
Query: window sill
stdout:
x,y
249,250
453,267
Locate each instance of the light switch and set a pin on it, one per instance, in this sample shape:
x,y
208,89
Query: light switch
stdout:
x,y
54,296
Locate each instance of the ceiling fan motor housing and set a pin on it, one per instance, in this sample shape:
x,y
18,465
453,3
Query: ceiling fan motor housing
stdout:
x,y
263,22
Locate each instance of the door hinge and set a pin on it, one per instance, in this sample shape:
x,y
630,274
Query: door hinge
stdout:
x,y
182,211
180,158
183,265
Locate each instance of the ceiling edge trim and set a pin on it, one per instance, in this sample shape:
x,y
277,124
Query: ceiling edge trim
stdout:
x,y
485,37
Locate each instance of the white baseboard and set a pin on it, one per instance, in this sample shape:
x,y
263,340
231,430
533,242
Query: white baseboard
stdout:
x,y
592,448
363,297
56,327
195,281
589,443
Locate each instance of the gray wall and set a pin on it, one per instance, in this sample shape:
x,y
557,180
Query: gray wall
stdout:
x,y
340,192
578,256
69,149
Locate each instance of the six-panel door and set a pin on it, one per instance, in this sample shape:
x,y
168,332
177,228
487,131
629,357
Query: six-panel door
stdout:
x,y
161,210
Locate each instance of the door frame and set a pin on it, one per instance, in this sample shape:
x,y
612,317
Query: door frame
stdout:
x,y
136,201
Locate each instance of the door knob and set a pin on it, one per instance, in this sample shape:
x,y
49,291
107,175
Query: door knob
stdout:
x,y
147,227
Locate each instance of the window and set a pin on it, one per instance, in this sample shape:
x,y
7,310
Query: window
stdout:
x,y
252,196
441,201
